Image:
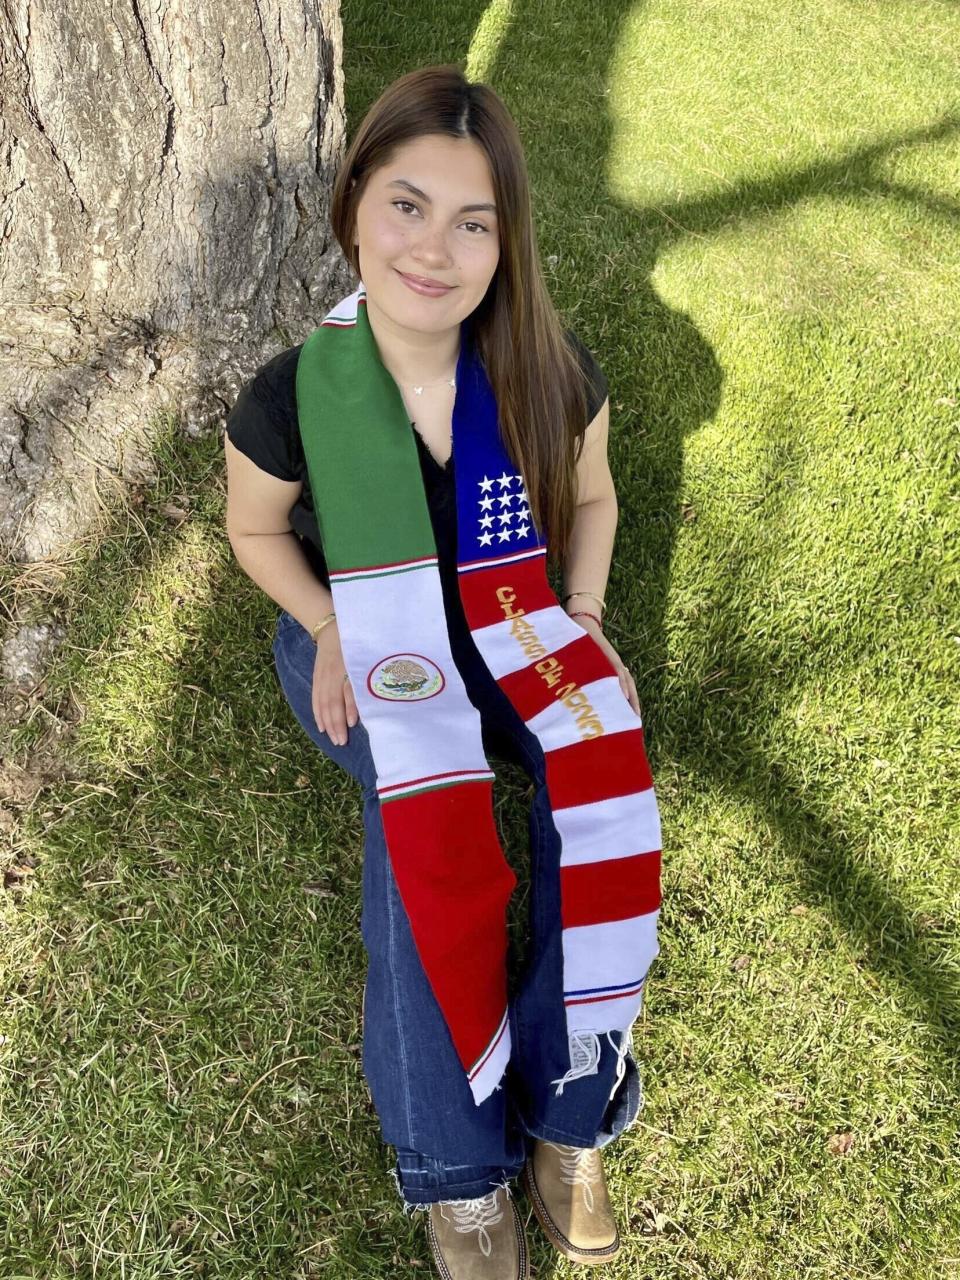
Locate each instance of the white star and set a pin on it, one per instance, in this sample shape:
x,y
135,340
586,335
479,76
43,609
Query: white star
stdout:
x,y
523,513
486,503
504,535
505,499
486,521
522,530
485,483
504,480
485,539
506,516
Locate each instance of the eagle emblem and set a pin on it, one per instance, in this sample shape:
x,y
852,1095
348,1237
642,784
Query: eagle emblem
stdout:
x,y
405,677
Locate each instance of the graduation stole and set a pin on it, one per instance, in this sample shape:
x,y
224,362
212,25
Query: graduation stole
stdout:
x,y
434,783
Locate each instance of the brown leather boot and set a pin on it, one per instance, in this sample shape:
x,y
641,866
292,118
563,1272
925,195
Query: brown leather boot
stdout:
x,y
479,1239
568,1191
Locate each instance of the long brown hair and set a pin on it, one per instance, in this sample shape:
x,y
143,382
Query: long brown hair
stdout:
x,y
535,375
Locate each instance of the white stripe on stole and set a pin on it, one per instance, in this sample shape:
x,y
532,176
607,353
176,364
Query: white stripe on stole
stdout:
x,y
602,960
483,1079
603,700
344,314
629,824
411,739
502,651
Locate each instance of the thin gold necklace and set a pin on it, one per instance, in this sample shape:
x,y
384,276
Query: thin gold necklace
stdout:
x,y
449,382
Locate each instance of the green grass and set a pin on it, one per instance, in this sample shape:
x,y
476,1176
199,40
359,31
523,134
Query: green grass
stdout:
x,y
751,216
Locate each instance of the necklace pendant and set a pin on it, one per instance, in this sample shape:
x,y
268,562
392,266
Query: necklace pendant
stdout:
x,y
451,382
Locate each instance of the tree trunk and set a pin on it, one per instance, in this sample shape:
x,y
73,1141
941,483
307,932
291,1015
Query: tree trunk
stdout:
x,y
164,194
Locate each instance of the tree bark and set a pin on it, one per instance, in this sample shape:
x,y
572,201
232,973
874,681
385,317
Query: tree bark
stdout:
x,y
165,173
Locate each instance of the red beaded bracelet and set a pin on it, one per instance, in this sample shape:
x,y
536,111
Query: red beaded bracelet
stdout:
x,y
582,613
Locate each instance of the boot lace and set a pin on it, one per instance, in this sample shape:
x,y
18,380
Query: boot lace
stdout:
x,y
476,1215
581,1166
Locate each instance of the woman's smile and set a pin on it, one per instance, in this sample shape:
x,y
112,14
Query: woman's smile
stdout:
x,y
419,285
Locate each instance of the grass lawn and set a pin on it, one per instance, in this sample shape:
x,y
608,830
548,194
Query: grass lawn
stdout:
x,y
751,214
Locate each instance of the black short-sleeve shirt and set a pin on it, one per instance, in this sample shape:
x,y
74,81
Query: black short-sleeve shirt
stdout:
x,y
263,425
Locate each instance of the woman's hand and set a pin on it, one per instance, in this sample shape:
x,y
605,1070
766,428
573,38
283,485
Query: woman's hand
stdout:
x,y
626,679
332,698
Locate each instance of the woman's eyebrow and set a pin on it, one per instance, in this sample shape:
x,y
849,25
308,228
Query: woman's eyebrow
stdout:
x,y
466,208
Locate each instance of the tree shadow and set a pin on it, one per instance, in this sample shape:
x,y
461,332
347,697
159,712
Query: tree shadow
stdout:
x,y
675,388
221,694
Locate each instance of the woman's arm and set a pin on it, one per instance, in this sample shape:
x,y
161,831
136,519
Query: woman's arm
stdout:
x,y
587,565
591,542
263,541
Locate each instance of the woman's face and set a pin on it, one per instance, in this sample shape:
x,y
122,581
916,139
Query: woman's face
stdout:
x,y
429,235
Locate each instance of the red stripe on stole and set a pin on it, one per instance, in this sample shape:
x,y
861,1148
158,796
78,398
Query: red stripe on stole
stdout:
x,y
455,885
524,582
612,889
612,764
582,660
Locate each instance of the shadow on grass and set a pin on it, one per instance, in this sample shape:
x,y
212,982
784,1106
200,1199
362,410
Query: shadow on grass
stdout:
x,y
221,810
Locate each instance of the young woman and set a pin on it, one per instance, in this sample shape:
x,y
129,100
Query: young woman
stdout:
x,y
400,636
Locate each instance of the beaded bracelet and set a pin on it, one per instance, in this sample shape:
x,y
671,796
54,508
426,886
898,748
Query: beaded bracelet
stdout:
x,y
582,613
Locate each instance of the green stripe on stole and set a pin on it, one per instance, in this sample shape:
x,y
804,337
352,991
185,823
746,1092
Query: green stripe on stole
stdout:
x,y
361,456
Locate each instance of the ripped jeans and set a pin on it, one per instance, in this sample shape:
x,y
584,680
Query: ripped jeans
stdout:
x,y
448,1147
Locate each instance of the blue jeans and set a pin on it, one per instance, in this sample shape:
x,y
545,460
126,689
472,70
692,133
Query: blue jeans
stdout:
x,y
448,1147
